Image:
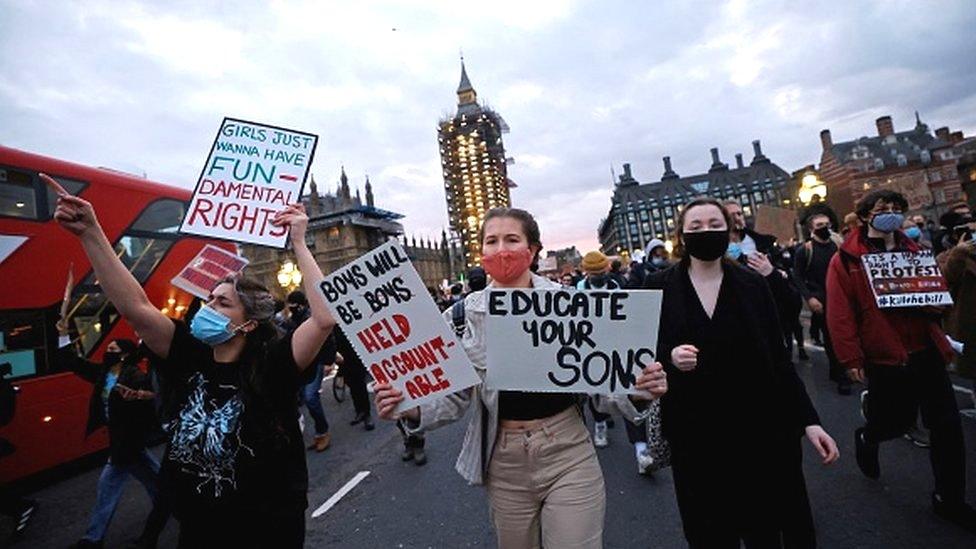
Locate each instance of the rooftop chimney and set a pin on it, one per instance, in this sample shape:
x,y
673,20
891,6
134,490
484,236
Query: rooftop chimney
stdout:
x,y
943,133
885,126
668,172
956,137
738,161
716,161
825,140
757,153
627,171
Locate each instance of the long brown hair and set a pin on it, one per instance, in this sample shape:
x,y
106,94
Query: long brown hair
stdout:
x,y
530,228
679,229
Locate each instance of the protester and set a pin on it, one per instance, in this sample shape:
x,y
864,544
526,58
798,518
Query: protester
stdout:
x,y
531,450
810,272
617,273
353,371
567,280
734,394
902,354
477,280
235,465
851,224
298,312
12,504
913,231
940,240
758,252
958,264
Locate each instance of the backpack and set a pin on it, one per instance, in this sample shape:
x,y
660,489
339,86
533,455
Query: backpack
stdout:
x,y
457,317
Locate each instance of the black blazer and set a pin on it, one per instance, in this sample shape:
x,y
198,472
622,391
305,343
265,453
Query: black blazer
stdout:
x,y
793,408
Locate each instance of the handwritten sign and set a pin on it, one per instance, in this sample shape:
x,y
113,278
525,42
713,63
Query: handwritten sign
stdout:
x,y
201,275
570,341
906,279
393,324
779,222
253,172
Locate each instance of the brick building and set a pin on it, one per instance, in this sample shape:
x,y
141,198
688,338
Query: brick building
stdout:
x,y
916,162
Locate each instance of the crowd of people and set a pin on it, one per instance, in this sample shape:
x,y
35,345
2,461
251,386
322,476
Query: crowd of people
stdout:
x,y
227,386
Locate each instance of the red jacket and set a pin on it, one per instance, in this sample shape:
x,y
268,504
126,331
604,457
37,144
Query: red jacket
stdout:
x,y
860,331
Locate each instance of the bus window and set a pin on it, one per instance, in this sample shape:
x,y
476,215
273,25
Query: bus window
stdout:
x,y
22,340
141,249
19,195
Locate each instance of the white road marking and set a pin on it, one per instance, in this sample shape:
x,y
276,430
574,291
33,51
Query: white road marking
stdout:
x,y
329,503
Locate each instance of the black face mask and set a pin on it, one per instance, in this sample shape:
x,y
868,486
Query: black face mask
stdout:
x,y
706,245
823,233
111,358
598,281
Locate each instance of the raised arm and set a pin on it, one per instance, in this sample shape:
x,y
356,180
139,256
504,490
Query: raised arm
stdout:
x,y
311,335
122,289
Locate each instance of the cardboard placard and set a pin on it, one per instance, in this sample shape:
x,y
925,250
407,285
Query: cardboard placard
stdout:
x,y
779,222
253,172
569,341
906,279
383,307
202,274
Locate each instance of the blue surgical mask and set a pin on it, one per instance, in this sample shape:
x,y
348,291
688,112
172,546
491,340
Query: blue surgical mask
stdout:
x,y
211,326
914,233
887,222
659,261
734,251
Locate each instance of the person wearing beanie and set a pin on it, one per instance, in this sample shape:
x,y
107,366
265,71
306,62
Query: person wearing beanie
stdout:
x,y
596,267
477,279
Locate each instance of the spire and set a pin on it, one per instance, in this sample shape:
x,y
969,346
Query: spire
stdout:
x,y
369,192
313,198
465,91
919,125
344,185
313,189
358,198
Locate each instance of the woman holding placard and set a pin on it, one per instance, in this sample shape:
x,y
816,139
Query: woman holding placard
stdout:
x,y
735,406
234,469
531,450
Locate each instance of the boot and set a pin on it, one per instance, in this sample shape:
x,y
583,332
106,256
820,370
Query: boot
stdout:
x,y
321,442
866,454
419,456
407,454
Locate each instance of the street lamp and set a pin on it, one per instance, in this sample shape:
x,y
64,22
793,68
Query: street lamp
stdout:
x,y
289,276
812,189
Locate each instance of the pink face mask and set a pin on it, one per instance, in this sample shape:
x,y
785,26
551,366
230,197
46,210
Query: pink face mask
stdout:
x,y
507,266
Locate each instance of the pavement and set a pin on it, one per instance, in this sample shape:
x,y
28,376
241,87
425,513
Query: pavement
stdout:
x,y
373,499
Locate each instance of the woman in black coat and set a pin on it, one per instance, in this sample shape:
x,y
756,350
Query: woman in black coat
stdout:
x,y
735,409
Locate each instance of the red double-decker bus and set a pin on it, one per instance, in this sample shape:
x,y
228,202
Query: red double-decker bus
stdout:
x,y
141,219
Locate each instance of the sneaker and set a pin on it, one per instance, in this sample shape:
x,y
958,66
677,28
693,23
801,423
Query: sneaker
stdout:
x,y
644,463
600,435
358,419
321,442
958,512
918,436
419,456
867,455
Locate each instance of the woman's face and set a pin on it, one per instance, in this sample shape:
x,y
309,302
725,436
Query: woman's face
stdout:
x,y
504,234
224,300
706,217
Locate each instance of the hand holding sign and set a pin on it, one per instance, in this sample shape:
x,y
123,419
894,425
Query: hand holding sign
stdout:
x,y
294,217
387,399
652,381
72,213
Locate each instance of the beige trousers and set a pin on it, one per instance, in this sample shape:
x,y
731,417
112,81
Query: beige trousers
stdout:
x,y
546,486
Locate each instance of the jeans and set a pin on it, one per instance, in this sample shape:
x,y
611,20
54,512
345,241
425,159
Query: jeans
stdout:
x,y
313,401
146,470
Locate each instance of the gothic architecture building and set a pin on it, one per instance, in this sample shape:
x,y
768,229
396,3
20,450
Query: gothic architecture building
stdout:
x,y
641,212
342,227
474,167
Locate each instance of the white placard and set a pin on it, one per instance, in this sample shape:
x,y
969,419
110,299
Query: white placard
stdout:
x,y
570,341
381,304
253,172
906,279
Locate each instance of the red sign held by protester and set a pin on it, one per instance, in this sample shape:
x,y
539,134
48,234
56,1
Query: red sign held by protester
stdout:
x,y
201,275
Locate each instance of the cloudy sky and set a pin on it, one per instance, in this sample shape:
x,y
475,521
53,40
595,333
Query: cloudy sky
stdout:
x,y
583,85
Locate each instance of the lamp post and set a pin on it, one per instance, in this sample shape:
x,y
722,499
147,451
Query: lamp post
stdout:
x,y
810,196
289,277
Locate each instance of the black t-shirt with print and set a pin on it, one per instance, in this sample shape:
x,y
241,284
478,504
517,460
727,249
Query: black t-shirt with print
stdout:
x,y
232,446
